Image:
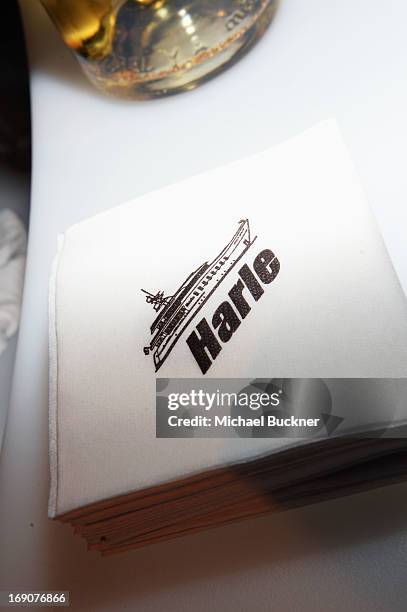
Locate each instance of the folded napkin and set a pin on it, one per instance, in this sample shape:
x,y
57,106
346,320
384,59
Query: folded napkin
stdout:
x,y
13,244
272,266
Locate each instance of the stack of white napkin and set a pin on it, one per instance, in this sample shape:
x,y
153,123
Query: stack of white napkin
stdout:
x,y
335,310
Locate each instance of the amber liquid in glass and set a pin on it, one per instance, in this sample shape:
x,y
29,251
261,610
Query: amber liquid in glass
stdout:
x,y
151,48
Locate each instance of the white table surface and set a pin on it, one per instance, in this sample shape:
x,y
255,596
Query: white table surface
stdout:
x,y
321,58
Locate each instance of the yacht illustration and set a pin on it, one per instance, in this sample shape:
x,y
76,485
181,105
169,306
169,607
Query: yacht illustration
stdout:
x,y
177,311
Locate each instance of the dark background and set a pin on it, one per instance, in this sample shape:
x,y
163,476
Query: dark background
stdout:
x,y
15,146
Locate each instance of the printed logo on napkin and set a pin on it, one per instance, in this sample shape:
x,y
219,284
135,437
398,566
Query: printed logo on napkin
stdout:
x,y
176,312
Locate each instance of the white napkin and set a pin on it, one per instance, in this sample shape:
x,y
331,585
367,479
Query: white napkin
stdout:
x,y
334,310
13,246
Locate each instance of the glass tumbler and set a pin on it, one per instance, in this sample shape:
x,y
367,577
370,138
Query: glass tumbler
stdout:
x,y
151,48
